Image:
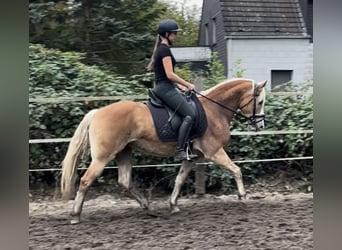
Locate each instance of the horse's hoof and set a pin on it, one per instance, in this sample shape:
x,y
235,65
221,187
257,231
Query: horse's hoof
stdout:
x,y
153,213
145,207
75,220
175,210
242,197
144,204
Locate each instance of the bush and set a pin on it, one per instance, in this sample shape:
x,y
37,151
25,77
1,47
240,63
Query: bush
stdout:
x,y
282,113
62,74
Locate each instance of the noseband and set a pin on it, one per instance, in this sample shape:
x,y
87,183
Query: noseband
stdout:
x,y
252,120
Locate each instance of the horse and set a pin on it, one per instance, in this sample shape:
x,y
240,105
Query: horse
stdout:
x,y
113,131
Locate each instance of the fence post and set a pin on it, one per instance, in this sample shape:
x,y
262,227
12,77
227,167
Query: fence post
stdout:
x,y
200,176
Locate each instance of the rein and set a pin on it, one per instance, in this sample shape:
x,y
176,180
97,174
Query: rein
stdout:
x,y
224,106
254,119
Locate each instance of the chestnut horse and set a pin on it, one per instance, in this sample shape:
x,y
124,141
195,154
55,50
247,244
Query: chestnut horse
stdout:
x,y
114,130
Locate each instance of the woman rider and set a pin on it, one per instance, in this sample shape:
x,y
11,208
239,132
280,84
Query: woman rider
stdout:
x,y
166,81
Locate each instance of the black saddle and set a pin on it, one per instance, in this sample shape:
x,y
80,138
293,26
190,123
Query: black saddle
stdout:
x,y
167,121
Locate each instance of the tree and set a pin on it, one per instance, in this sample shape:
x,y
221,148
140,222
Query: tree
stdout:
x,y
186,19
215,73
113,33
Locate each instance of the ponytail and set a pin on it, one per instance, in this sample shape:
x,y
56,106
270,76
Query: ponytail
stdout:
x,y
150,66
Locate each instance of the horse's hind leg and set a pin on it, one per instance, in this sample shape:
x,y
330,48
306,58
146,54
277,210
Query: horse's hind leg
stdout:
x,y
182,174
123,160
222,159
94,170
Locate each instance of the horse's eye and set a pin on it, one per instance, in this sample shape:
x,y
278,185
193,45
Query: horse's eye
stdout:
x,y
261,102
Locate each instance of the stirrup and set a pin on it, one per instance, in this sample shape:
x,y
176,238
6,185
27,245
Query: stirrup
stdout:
x,y
189,154
184,156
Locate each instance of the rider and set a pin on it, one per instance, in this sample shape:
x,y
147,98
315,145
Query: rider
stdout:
x,y
166,81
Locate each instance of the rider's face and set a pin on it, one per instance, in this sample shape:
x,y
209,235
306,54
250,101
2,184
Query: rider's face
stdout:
x,y
173,36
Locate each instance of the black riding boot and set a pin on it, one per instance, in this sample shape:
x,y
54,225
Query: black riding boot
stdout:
x,y
183,135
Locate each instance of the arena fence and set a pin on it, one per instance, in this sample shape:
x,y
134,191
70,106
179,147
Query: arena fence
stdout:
x,y
242,133
200,171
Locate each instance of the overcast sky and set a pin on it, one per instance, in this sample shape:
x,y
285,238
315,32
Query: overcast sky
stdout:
x,y
189,3
198,3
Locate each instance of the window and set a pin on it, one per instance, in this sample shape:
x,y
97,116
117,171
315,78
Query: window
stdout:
x,y
206,34
279,78
214,31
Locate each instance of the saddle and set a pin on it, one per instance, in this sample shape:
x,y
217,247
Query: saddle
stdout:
x,y
167,121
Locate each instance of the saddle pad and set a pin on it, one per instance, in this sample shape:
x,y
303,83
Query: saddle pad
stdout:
x,y
166,132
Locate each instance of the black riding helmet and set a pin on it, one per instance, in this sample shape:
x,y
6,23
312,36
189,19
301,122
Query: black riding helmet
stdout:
x,y
167,25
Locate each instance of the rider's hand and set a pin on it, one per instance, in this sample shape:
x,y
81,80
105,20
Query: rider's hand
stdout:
x,y
191,86
181,87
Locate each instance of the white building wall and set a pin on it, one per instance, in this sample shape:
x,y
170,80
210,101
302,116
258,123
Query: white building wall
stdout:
x,y
260,56
188,54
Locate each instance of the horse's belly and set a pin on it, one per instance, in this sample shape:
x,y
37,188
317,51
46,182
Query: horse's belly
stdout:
x,y
155,148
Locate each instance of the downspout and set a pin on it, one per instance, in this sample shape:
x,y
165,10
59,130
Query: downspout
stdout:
x,y
229,54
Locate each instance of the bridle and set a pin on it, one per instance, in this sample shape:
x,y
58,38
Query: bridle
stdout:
x,y
252,120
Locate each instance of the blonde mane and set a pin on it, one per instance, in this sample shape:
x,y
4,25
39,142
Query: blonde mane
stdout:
x,y
230,81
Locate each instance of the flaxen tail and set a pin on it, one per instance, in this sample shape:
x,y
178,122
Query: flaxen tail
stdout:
x,y
78,145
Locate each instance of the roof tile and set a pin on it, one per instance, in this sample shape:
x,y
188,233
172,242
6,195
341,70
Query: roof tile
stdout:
x,y
262,18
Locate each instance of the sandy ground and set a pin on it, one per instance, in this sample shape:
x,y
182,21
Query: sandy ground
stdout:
x,y
263,221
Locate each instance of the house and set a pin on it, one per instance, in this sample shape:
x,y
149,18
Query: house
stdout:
x,y
272,39
198,57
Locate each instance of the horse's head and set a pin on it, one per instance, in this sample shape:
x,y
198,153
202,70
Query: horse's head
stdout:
x,y
252,105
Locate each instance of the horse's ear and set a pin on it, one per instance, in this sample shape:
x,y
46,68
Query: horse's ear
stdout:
x,y
260,86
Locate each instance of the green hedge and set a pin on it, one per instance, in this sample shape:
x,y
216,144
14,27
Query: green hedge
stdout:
x,y
62,74
282,113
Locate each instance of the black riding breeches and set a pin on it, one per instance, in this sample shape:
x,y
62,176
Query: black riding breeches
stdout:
x,y
172,98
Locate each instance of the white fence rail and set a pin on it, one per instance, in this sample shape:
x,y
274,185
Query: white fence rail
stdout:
x,y
131,97
241,133
275,132
178,164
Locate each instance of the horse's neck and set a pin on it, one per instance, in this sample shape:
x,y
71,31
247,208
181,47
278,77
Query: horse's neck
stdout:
x,y
229,94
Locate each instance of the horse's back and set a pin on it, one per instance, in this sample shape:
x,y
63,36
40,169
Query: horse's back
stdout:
x,y
125,117
122,111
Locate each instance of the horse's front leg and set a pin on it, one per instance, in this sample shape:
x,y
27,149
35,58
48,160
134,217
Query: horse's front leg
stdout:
x,y
182,174
222,159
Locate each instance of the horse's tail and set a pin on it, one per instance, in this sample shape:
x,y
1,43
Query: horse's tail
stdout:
x,y
78,145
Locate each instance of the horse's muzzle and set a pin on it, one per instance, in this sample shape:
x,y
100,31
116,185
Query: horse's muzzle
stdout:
x,y
256,122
